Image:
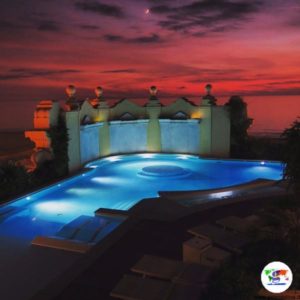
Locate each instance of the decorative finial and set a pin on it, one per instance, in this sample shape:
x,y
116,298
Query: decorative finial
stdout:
x,y
208,99
98,91
153,91
71,91
208,88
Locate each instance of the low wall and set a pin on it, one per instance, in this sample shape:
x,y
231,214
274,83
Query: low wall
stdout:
x,y
128,136
177,136
180,136
89,142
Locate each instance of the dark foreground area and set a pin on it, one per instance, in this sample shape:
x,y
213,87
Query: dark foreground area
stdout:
x,y
165,239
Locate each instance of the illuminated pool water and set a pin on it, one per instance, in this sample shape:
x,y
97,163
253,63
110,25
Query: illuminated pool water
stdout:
x,y
119,182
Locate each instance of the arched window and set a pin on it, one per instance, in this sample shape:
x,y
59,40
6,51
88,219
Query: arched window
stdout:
x,y
180,115
127,117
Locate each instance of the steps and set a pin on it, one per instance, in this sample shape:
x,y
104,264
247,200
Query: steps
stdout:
x,y
80,234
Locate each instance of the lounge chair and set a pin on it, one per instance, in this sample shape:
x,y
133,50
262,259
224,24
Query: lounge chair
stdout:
x,y
207,255
214,257
158,267
220,237
172,270
192,249
137,288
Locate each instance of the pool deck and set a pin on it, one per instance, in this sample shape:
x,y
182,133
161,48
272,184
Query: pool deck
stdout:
x,y
101,269
153,237
171,206
43,273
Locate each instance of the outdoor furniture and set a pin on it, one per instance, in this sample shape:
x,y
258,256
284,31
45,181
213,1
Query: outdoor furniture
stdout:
x,y
214,257
137,288
172,270
201,251
193,249
220,237
158,267
194,274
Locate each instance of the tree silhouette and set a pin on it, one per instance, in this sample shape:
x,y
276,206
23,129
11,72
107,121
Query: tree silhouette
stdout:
x,y
13,180
291,136
239,124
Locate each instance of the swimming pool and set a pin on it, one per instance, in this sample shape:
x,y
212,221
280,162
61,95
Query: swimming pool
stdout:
x,y
119,182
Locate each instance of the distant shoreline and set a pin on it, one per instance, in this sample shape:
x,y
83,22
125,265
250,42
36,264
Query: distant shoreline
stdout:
x,y
269,134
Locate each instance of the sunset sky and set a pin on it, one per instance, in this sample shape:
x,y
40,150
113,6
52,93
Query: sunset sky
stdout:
x,y
247,47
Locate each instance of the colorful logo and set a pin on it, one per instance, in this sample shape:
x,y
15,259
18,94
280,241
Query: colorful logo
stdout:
x,y
276,277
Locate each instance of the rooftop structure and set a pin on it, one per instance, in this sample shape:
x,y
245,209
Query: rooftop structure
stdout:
x,y
97,129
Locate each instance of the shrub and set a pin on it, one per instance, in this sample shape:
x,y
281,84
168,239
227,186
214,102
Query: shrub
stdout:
x,y
13,180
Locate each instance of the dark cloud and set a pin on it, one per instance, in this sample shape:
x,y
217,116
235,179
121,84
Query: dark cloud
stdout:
x,y
207,31
284,82
22,73
101,8
201,74
30,23
154,38
118,71
206,14
151,39
215,75
89,27
48,25
113,38
295,22
160,1
161,9
264,91
6,25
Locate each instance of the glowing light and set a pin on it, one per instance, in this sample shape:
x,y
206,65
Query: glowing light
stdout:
x,y
221,195
28,198
107,180
81,191
93,166
147,155
262,163
59,185
196,115
33,219
54,207
83,175
113,158
147,11
183,156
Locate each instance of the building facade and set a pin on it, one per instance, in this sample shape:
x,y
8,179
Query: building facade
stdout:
x,y
96,129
